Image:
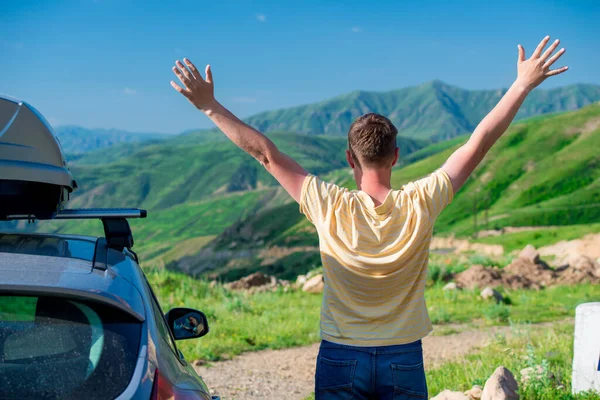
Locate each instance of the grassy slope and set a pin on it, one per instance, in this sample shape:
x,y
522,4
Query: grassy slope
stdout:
x,y
543,171
539,164
168,173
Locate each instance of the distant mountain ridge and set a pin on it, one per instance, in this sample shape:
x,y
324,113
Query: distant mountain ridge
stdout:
x,y
434,110
78,140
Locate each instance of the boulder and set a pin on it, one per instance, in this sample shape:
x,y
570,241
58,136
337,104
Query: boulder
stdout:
x,y
501,386
583,265
314,284
530,253
478,276
474,393
450,395
524,274
451,286
254,280
489,293
301,280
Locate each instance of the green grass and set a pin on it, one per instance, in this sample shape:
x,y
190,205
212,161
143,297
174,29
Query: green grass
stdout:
x,y
527,306
239,321
247,322
551,347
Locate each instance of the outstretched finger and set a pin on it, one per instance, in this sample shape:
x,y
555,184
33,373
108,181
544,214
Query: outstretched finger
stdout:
x,y
179,89
557,71
186,82
550,50
521,53
184,70
208,73
193,68
553,59
538,50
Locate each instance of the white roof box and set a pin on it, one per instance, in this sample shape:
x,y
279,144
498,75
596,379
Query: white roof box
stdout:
x,y
34,178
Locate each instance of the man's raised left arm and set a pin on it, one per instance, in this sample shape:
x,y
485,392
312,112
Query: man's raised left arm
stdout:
x,y
200,92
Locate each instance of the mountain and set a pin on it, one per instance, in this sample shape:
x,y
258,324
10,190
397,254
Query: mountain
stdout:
x,y
77,140
543,172
434,110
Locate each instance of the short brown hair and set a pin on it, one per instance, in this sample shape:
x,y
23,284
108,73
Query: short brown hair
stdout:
x,y
372,140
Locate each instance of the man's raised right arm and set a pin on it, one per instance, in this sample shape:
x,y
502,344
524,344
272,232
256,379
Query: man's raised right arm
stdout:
x,y
531,72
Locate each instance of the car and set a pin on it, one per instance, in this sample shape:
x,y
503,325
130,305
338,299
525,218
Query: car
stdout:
x,y
78,318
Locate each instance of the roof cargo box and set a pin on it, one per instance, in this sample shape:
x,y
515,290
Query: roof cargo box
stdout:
x,y
34,178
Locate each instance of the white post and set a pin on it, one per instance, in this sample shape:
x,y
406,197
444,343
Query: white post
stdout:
x,y
586,357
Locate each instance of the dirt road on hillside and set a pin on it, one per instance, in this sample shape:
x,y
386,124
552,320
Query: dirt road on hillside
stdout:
x,y
289,373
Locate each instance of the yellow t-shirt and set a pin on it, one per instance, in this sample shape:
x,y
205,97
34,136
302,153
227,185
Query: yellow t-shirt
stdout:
x,y
375,258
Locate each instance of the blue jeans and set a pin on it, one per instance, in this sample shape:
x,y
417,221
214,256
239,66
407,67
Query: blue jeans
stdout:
x,y
385,373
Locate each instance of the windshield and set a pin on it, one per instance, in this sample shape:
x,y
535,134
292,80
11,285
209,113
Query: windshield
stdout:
x,y
53,246
59,348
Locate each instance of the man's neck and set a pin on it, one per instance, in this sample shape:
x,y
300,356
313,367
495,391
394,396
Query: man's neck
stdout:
x,y
375,182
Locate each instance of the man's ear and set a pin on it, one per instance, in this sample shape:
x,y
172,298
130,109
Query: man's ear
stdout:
x,y
396,156
350,159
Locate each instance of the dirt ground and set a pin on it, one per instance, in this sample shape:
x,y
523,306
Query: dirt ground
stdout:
x,y
289,373
589,246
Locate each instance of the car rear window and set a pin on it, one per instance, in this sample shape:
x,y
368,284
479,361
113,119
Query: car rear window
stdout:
x,y
60,348
53,246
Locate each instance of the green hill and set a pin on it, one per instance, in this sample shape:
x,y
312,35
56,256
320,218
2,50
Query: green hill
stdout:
x,y
542,172
77,140
432,110
161,175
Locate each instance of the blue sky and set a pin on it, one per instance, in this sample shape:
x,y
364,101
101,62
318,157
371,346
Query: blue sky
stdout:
x,y
107,63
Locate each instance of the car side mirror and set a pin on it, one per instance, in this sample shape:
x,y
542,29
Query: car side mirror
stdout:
x,y
187,323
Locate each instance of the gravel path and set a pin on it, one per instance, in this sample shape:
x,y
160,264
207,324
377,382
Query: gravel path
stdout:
x,y
289,373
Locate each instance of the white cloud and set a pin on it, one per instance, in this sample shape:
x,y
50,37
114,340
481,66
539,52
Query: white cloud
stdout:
x,y
356,29
244,99
261,17
129,91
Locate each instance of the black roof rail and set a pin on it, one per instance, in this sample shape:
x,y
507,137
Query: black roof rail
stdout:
x,y
116,228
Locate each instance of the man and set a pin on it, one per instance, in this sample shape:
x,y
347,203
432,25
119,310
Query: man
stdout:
x,y
374,241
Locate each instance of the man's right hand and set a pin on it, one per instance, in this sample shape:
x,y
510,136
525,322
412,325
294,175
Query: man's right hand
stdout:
x,y
533,71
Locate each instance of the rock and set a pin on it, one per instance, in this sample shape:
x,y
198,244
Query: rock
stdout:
x,y
501,386
583,264
199,363
529,253
314,284
301,280
524,274
450,395
578,268
254,280
489,293
478,276
451,286
474,393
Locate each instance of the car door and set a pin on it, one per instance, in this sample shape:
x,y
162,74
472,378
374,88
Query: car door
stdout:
x,y
170,359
